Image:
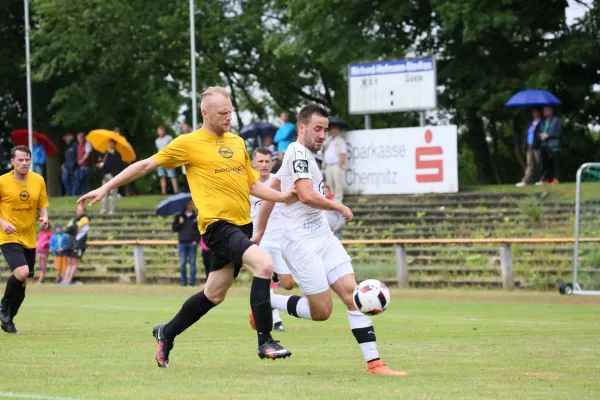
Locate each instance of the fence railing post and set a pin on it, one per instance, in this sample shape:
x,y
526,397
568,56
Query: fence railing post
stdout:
x,y
139,264
401,266
506,266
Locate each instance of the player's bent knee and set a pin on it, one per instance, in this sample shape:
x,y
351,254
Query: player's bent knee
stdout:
x,y
286,281
322,312
215,298
265,269
320,315
215,295
21,273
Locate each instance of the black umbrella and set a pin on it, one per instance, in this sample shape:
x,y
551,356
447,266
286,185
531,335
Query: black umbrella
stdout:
x,y
258,129
174,204
338,122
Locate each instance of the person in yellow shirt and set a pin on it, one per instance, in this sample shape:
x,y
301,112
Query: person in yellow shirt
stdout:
x,y
23,198
221,180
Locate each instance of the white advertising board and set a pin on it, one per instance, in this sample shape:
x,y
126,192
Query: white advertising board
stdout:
x,y
402,160
391,86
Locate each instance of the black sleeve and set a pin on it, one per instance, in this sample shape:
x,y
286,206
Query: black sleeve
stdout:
x,y
176,225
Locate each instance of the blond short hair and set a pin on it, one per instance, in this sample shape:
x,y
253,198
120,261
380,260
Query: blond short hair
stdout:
x,y
211,91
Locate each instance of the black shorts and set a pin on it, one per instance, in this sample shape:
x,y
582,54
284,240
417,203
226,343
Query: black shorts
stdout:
x,y
228,243
16,256
76,253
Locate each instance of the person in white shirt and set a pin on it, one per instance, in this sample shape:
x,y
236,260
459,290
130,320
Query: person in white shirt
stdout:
x,y
335,162
262,161
316,258
161,142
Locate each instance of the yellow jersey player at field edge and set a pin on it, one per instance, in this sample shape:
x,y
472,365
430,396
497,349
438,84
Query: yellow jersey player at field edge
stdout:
x,y
23,198
221,180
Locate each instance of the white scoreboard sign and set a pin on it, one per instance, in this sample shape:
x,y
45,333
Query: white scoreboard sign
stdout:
x,y
390,86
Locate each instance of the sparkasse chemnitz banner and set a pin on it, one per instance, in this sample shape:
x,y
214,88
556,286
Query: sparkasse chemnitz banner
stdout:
x,y
402,160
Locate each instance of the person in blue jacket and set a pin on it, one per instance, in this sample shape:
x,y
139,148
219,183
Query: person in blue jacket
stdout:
x,y
284,135
58,247
39,157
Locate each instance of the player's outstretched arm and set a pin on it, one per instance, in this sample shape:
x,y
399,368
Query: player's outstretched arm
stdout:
x,y
129,174
264,212
308,196
262,191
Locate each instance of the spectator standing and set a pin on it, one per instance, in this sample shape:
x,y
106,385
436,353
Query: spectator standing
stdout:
x,y
186,225
42,249
111,165
284,135
39,157
85,160
335,162
335,219
161,142
69,167
58,247
551,138
77,229
533,147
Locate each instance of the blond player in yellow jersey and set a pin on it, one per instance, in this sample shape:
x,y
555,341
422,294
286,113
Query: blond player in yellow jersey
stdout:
x,y
221,181
23,199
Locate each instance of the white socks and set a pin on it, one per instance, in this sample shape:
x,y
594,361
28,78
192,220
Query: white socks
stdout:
x,y
296,306
362,329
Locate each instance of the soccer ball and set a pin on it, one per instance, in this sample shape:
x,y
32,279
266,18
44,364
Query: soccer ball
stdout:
x,y
371,297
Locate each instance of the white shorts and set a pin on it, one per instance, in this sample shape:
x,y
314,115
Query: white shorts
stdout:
x,y
316,262
279,265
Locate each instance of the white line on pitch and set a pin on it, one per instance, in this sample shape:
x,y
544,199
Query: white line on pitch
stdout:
x,y
13,395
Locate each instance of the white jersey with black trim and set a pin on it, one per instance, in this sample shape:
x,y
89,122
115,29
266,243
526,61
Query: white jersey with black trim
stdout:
x,y
301,220
275,223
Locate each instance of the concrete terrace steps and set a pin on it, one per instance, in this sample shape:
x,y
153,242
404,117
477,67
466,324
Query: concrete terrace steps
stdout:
x,y
466,262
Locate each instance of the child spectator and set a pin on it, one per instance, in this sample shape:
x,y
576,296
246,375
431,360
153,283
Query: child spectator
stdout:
x,y
58,248
77,229
42,248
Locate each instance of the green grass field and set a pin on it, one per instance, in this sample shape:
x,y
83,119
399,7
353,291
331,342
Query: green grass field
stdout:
x,y
68,204
94,342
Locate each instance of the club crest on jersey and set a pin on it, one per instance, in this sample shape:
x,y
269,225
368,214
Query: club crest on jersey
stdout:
x,y
300,166
225,152
24,195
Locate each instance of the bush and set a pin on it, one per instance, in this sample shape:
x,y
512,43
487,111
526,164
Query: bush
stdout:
x,y
529,206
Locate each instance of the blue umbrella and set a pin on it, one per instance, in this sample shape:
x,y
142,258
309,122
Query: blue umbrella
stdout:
x,y
533,97
174,204
258,129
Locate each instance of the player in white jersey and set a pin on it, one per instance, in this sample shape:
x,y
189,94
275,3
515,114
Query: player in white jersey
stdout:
x,y
262,162
313,254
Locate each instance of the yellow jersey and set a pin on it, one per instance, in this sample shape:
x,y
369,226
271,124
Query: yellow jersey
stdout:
x,y
19,202
218,173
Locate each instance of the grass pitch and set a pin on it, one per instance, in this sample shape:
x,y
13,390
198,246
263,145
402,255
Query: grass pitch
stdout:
x,y
94,342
